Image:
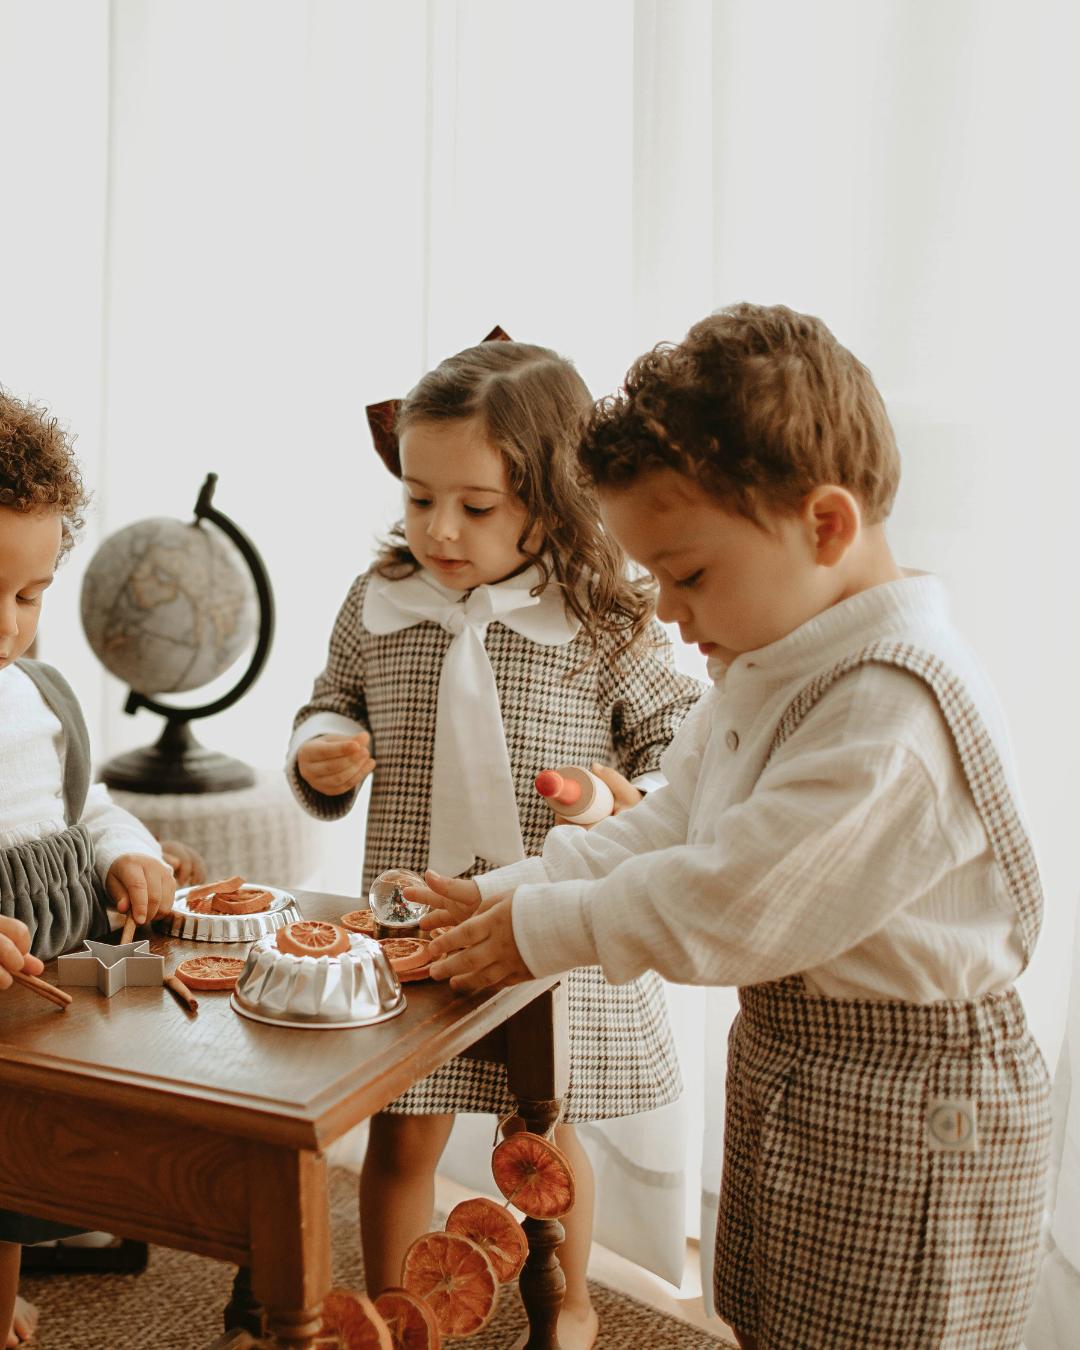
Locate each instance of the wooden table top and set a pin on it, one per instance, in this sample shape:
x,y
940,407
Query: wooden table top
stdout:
x,y
222,1071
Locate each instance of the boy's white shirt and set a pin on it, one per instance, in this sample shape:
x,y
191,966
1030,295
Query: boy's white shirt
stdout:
x,y
32,783
857,858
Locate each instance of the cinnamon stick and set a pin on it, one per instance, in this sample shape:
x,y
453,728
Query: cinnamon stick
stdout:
x,y
129,930
182,992
49,991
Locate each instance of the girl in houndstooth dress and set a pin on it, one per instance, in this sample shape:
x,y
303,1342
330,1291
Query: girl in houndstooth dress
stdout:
x,y
496,635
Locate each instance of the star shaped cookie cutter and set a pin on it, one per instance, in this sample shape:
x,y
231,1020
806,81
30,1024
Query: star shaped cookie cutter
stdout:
x,y
111,967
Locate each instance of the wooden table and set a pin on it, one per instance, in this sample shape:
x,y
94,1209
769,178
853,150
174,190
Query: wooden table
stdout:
x,y
205,1131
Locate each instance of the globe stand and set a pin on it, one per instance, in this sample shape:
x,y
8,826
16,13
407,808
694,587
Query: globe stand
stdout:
x,y
178,763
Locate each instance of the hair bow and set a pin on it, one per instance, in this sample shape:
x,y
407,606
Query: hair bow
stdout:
x,y
381,416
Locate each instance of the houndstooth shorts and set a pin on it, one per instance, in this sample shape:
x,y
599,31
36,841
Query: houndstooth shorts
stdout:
x,y
839,1226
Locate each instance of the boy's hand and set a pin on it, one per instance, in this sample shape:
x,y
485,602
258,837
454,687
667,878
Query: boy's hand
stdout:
x,y
187,865
481,953
142,884
454,899
15,951
333,765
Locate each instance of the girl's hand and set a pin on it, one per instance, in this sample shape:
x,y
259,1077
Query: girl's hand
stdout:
x,y
624,792
15,951
453,898
142,885
481,953
187,865
334,765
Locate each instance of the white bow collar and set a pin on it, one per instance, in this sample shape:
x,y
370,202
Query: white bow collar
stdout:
x,y
473,804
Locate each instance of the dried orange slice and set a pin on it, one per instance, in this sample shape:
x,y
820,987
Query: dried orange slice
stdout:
x,y
496,1230
214,888
421,973
411,1322
247,900
406,953
438,932
534,1175
455,1278
359,921
209,972
312,937
350,1322
204,904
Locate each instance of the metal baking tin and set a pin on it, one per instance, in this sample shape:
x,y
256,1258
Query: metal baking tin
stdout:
x,y
356,989
111,967
180,922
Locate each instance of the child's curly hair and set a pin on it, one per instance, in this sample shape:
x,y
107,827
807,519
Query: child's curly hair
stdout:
x,y
38,470
758,404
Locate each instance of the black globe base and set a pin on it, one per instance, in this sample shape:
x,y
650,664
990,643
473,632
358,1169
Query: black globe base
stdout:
x,y
177,763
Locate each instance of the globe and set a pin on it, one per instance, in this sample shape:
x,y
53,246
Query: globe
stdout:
x,y
168,606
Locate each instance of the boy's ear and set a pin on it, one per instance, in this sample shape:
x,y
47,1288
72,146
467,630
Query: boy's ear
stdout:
x,y
834,517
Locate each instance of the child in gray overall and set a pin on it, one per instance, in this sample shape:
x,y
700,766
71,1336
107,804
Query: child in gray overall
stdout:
x,y
64,846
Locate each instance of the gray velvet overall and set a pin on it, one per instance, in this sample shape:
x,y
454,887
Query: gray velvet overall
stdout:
x,y
50,885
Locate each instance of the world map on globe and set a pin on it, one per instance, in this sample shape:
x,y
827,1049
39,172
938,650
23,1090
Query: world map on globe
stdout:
x,y
168,606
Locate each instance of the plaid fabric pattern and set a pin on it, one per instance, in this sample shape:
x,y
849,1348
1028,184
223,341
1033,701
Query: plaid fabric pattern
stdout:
x,y
838,1225
621,714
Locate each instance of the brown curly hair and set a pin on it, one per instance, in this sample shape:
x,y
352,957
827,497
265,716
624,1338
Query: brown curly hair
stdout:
x,y
38,470
532,403
758,404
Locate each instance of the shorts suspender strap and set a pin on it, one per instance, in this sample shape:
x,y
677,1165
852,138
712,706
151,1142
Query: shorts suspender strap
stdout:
x,y
60,697
978,755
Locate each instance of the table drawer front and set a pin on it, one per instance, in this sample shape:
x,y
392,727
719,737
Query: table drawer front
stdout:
x,y
117,1170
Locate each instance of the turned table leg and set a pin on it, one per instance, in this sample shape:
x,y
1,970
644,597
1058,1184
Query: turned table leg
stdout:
x,y
243,1310
538,1073
289,1226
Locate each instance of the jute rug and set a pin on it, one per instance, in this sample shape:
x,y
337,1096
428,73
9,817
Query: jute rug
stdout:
x,y
176,1303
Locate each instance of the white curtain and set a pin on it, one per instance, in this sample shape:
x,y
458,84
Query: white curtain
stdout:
x,y
227,225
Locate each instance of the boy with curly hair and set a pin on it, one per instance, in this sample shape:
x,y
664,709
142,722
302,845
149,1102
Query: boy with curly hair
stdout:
x,y
64,846
840,837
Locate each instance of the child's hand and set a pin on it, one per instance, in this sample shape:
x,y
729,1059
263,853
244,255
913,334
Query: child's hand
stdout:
x,y
333,765
15,951
141,884
454,899
481,953
624,792
187,865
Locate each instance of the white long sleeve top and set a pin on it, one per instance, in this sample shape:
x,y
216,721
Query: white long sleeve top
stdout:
x,y
32,752
857,858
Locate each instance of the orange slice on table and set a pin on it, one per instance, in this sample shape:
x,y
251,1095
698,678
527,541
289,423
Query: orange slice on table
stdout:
x,y
411,1322
406,953
350,1322
312,937
209,972
359,921
496,1230
455,1278
214,888
247,900
534,1175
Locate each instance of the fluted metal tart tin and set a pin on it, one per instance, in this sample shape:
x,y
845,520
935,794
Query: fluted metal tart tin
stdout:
x,y
356,989
181,922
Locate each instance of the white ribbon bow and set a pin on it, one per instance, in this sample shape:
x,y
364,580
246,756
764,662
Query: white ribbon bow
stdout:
x,y
473,804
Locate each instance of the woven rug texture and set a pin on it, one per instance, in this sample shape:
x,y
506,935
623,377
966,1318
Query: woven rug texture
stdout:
x,y
176,1303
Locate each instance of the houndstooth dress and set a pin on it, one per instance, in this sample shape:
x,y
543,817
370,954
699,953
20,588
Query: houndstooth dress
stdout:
x,y
844,1220
620,713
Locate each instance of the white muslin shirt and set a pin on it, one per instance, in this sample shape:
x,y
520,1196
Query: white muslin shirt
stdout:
x,y
857,858
32,744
